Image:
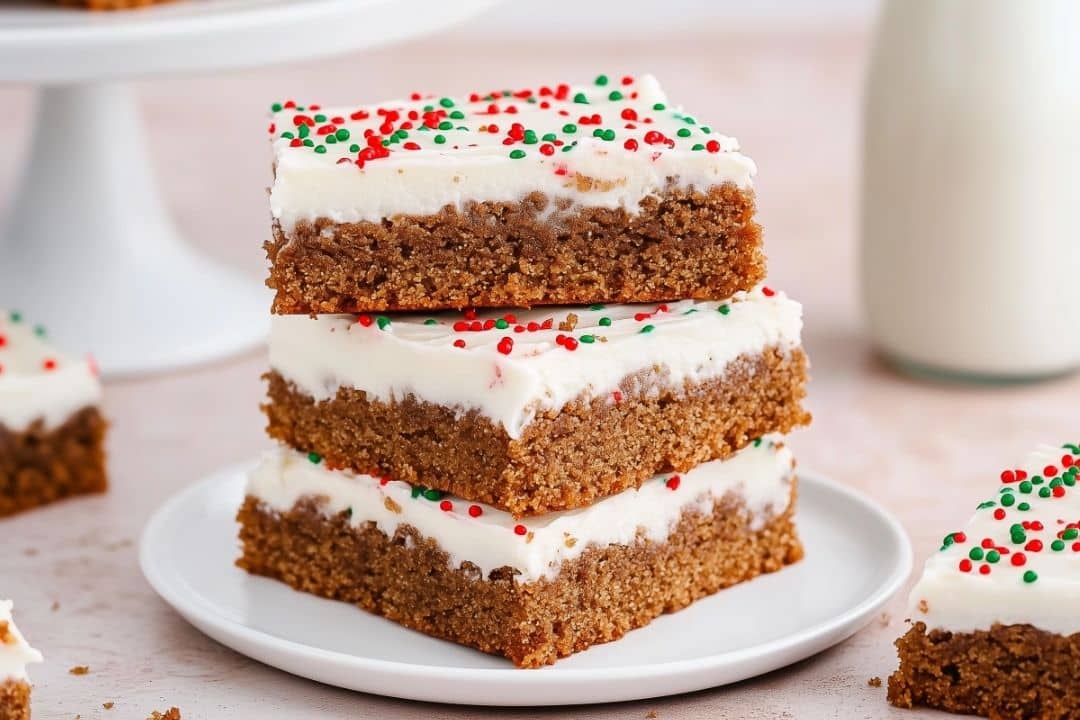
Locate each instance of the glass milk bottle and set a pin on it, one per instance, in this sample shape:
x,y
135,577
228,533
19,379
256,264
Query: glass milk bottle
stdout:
x,y
970,227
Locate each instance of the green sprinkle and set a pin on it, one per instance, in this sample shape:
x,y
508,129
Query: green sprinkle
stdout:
x,y
605,322
354,148
587,339
580,98
549,137
309,143
1074,449
1007,500
382,321
431,321
320,118
1070,534
501,324
1057,545
439,139
1023,507
659,106
1069,480
446,125
614,95
288,135
517,154
1031,576
597,306
418,490
1045,492
276,107
39,330
342,134
446,102
689,120
949,540
647,329
321,149
757,442
314,457
706,129
723,309
691,310
697,146
16,316
569,128
432,494
601,80
683,132
608,134
530,138
303,131
1036,479
597,132
331,140
457,115
993,556
1025,487
987,504
976,553
1018,538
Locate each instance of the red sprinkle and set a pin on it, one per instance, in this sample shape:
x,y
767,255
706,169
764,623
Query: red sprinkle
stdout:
x,y
630,144
987,543
49,364
965,565
475,511
1018,559
959,537
1050,471
1059,491
999,514
384,480
1007,476
570,344
984,569
1034,546
767,291
470,314
673,482
446,506
520,530
506,345
365,320
459,343
616,396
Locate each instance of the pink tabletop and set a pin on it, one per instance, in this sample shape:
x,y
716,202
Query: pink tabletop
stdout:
x,y
925,451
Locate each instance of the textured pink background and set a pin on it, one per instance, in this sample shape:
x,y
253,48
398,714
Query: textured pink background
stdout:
x,y
925,451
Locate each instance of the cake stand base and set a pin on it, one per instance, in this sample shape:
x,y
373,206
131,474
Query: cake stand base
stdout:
x,y
90,252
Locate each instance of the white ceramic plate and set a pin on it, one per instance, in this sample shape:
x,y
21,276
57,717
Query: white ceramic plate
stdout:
x,y
857,556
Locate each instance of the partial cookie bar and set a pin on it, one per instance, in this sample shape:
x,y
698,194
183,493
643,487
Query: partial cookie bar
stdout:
x,y
541,410
996,632
15,655
52,432
531,590
561,195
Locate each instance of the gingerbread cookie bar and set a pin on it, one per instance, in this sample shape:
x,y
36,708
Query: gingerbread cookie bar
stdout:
x,y
515,198
15,655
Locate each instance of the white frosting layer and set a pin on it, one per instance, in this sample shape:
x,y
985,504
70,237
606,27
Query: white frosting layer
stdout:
x,y
759,475
954,594
15,652
690,341
473,163
36,381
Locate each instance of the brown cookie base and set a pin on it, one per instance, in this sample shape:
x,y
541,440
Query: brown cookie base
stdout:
x,y
565,459
596,598
1011,672
14,700
682,244
40,465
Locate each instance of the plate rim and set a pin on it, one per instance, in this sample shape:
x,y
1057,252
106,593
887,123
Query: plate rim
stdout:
x,y
847,623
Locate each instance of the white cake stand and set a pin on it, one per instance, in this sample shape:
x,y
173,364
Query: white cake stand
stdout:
x,y
89,249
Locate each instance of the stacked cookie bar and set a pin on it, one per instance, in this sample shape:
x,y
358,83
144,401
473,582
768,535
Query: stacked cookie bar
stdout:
x,y
528,385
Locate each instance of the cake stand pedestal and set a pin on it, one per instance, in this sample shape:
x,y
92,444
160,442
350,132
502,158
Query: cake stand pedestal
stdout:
x,y
89,249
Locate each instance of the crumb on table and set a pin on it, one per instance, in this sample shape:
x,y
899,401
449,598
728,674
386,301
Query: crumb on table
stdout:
x,y
874,682
80,670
